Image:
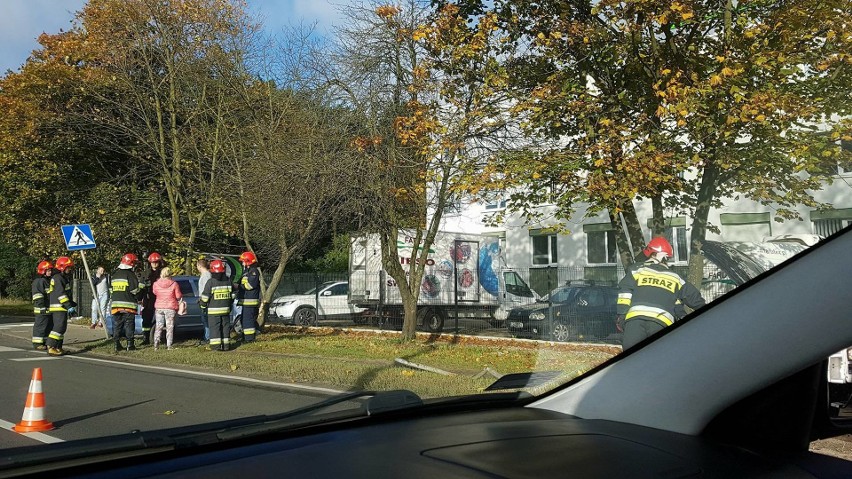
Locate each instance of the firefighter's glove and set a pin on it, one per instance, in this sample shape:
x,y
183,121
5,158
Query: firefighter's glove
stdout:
x,y
72,310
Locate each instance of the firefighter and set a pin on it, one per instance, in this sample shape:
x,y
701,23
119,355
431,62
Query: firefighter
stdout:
x,y
217,298
155,263
60,304
43,320
248,295
125,291
649,295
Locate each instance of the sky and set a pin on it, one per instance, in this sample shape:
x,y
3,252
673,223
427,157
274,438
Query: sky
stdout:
x,y
22,21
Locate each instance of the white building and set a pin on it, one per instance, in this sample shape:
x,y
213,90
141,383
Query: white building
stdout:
x,y
588,250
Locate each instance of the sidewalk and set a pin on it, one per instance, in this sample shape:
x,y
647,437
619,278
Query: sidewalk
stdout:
x,y
77,337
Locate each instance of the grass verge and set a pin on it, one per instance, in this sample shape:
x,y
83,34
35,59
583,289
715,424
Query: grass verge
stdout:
x,y
15,307
358,360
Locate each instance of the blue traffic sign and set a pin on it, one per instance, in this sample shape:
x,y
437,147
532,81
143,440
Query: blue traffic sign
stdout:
x,y
78,237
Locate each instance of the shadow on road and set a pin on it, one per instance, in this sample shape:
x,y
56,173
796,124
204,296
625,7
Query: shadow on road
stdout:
x,y
74,419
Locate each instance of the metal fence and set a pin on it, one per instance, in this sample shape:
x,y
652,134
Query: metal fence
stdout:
x,y
543,308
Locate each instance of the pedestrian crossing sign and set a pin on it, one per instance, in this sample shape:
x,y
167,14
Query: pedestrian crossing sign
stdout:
x,y
78,237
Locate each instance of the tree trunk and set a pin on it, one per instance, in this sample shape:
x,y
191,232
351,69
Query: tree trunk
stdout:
x,y
266,296
658,221
629,237
706,192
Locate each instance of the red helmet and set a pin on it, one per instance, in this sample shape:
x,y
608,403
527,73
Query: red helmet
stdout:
x,y
64,263
248,258
217,266
659,245
44,267
154,257
129,259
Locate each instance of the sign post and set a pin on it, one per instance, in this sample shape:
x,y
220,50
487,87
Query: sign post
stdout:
x,y
80,238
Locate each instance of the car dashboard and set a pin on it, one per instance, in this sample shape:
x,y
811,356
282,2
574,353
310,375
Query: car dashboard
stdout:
x,y
507,442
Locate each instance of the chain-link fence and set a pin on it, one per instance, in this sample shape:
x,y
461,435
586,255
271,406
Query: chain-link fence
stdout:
x,y
551,303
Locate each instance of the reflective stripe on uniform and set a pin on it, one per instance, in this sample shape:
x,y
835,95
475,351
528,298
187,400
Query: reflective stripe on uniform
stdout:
x,y
38,340
248,331
218,311
57,308
215,341
249,302
37,296
123,304
55,335
39,310
245,283
226,340
625,298
651,312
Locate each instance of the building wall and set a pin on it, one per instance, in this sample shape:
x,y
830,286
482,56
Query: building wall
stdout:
x,y
738,219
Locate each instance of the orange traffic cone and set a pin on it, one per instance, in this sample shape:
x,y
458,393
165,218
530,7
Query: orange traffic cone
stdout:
x,y
33,420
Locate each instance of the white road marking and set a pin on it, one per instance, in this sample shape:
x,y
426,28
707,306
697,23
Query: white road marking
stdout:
x,y
15,325
38,358
38,436
211,375
7,349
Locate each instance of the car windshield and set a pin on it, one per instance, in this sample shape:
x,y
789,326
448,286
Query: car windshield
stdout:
x,y
410,196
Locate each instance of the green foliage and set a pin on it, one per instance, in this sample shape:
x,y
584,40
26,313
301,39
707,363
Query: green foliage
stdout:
x,y
335,259
17,271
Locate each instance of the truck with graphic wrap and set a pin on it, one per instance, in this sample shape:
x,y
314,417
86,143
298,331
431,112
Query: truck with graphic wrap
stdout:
x,y
465,278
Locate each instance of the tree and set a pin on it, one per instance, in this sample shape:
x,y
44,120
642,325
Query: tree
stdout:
x,y
681,102
164,67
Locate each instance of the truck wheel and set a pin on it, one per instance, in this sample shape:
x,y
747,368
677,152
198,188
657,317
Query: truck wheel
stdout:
x,y
305,316
432,320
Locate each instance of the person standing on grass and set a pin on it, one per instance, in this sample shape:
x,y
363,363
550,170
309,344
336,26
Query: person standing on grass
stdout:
x,y
99,307
218,297
166,305
204,276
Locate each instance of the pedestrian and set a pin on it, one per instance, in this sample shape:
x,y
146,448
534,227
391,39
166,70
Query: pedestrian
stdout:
x,y
203,267
43,320
60,304
125,291
169,297
218,297
155,266
649,294
99,307
248,295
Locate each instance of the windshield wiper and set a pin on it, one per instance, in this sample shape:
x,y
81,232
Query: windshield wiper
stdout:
x,y
378,402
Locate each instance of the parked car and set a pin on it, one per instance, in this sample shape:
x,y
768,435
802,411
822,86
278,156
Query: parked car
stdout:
x,y
190,322
329,300
572,312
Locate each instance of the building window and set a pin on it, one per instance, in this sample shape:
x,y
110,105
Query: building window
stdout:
x,y
497,201
676,235
600,247
827,227
544,250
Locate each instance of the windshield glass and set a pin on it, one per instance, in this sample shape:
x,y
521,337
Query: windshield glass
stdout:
x,y
427,196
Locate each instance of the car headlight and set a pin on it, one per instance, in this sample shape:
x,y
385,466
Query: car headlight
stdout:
x,y
849,354
282,303
537,316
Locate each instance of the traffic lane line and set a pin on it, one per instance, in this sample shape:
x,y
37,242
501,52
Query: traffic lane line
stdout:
x,y
38,436
37,358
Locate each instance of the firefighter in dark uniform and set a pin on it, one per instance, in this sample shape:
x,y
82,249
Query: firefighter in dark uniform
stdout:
x,y
43,320
156,264
650,295
60,304
248,295
125,291
217,298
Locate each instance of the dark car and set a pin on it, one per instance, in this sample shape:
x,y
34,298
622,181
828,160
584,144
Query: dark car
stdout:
x,y
191,321
573,312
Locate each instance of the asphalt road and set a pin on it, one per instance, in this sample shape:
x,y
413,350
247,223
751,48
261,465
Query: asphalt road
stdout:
x,y
89,397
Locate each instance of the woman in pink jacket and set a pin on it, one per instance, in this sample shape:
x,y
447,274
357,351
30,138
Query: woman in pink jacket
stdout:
x,y
168,296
